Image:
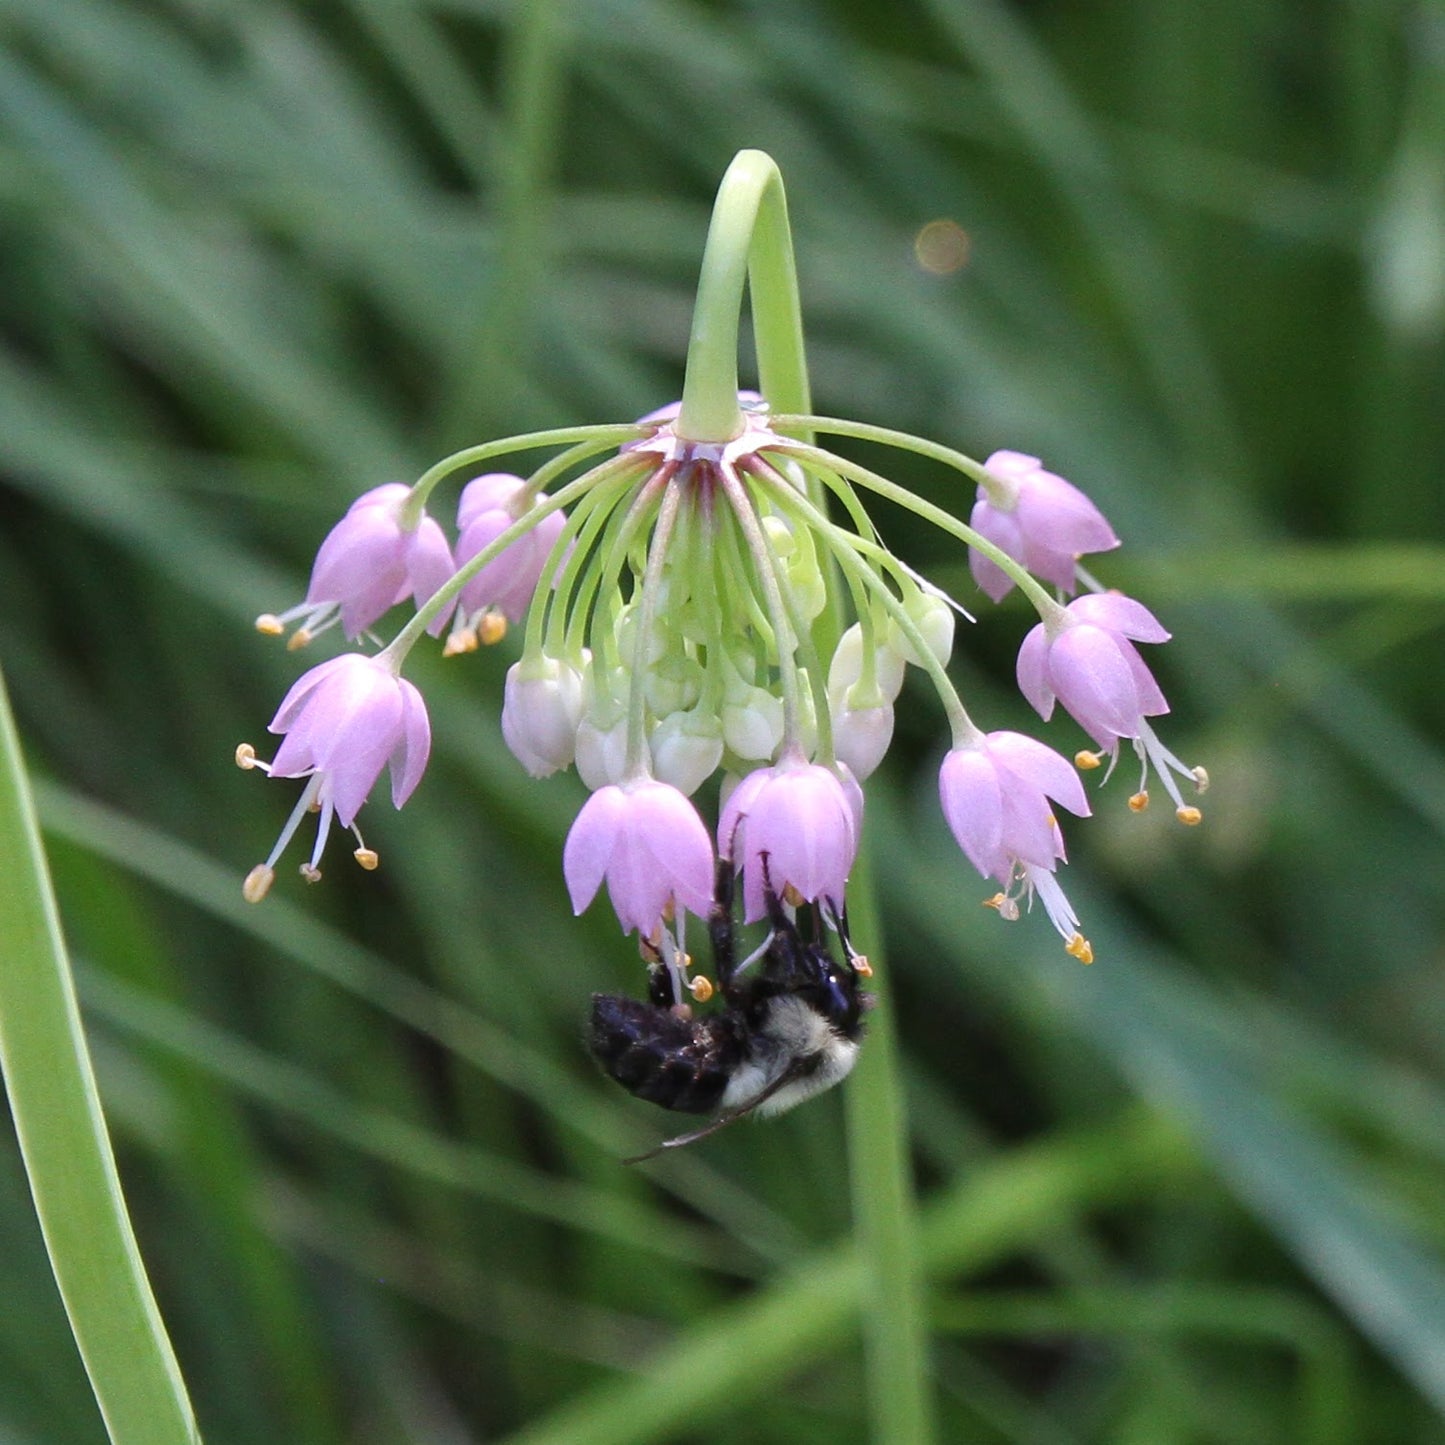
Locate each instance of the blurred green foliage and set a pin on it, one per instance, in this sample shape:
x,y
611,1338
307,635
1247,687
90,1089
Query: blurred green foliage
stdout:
x,y
263,254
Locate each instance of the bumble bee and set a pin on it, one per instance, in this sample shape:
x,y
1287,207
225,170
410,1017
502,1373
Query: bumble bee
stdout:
x,y
788,1029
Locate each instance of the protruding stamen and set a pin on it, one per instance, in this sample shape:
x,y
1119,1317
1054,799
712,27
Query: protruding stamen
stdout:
x,y
258,883
1190,816
1086,761
701,988
1006,907
298,640
1201,778
310,872
269,625
1139,801
1079,947
492,628
861,966
246,758
368,858
459,641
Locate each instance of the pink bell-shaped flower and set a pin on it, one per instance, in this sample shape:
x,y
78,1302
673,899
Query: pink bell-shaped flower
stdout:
x,y
1039,519
368,563
1086,659
651,846
806,821
489,505
346,720
995,794
342,723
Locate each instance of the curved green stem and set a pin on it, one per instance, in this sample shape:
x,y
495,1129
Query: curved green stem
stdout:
x,y
1024,580
566,436
394,653
67,1151
748,240
636,764
750,228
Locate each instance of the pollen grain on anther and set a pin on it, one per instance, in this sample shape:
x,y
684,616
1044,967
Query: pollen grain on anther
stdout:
x,y
258,883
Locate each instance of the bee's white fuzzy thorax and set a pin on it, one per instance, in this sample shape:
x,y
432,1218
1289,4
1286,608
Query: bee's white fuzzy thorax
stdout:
x,y
794,1039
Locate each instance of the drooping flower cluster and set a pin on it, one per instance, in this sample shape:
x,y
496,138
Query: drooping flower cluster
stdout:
x,y
696,608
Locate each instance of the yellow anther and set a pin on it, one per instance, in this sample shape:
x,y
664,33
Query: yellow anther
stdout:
x,y
1190,817
298,640
258,883
492,628
460,641
245,757
1139,801
861,966
310,872
1079,947
1086,761
792,897
368,858
1201,778
997,901
314,806
701,988
270,625
1008,908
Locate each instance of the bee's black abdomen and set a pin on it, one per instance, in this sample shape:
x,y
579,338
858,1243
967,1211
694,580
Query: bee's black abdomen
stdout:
x,y
681,1064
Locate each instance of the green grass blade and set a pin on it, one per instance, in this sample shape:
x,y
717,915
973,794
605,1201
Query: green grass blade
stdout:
x,y
67,1152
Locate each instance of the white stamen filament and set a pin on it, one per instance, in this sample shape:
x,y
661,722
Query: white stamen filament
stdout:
x,y
303,806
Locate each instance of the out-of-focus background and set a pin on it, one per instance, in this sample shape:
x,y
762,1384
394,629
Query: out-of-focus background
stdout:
x,y
260,255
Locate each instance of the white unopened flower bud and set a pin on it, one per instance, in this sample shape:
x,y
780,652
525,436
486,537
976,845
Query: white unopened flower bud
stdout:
x,y
806,583
847,664
933,617
625,631
752,723
861,736
673,685
541,708
686,750
601,752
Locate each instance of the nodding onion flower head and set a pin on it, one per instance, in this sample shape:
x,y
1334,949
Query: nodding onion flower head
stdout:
x,y
376,556
1039,519
649,843
342,723
693,609
995,792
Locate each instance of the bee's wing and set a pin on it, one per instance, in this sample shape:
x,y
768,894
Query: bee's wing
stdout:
x,y
721,1122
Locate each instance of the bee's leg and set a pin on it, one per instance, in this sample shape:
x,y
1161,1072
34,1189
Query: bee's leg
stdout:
x,y
783,922
720,923
837,920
